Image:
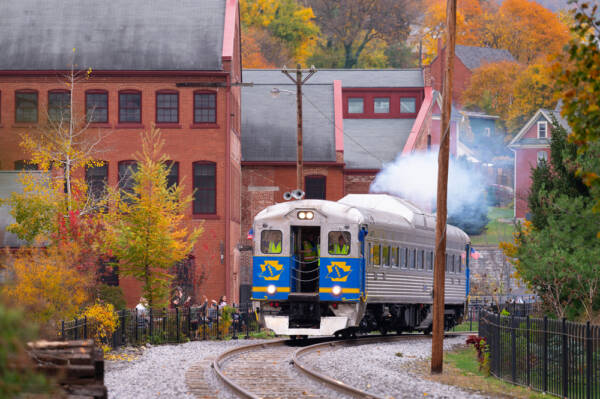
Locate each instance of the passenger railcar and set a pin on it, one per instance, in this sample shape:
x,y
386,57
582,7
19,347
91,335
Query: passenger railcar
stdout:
x,y
362,263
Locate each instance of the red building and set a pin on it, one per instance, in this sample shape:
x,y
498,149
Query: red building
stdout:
x,y
354,122
152,62
466,60
531,144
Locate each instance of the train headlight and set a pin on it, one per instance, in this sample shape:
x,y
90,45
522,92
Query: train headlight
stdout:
x,y
271,289
302,215
336,290
309,215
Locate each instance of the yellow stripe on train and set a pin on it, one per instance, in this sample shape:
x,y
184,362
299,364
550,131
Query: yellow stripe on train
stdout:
x,y
344,290
264,289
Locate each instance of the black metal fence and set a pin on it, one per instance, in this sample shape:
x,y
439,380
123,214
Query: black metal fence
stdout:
x,y
476,305
553,356
158,326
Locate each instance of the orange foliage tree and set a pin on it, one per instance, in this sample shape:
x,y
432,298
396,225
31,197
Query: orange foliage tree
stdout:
x,y
523,27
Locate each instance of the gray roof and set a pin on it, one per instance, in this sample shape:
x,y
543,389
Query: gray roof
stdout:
x,y
269,124
112,35
349,77
369,143
474,57
8,184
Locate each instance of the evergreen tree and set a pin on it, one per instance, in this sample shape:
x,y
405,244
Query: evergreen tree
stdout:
x,y
554,178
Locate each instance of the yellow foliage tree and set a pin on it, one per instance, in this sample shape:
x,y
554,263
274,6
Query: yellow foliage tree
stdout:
x,y
102,322
146,230
46,284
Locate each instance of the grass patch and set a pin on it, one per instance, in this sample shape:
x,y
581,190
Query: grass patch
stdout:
x,y
461,369
496,230
474,326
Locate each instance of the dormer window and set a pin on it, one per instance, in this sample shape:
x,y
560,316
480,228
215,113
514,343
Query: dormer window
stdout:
x,y
408,105
356,105
542,130
381,105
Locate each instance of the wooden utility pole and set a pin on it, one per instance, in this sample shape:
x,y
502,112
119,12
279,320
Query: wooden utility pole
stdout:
x,y
299,82
439,274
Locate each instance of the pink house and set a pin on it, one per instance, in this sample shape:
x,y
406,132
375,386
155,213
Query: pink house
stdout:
x,y
530,145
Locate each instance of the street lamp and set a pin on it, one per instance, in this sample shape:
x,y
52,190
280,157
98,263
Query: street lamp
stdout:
x,y
299,81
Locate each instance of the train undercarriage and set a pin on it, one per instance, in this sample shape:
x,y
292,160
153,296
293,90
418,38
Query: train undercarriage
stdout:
x,y
304,314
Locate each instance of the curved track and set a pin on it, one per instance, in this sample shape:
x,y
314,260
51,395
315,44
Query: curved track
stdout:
x,y
263,370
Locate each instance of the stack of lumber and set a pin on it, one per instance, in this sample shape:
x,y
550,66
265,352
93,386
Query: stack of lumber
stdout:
x,y
76,365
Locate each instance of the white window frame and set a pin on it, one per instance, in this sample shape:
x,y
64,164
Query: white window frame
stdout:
x,y
544,156
545,124
487,132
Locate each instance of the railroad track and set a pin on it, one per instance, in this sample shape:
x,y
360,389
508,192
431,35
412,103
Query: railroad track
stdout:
x,y
265,370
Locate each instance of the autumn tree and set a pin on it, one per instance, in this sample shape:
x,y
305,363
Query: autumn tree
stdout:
x,y
579,82
281,30
46,284
353,25
491,88
526,29
510,90
147,232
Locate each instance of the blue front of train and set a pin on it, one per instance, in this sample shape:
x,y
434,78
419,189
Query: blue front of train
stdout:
x,y
340,279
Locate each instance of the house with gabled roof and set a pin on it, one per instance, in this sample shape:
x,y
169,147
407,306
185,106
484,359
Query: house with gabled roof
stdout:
x,y
175,64
530,145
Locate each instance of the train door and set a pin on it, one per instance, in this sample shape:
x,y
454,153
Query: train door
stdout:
x,y
305,263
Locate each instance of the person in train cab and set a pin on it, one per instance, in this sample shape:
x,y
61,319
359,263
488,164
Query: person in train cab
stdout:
x,y
341,248
309,249
274,243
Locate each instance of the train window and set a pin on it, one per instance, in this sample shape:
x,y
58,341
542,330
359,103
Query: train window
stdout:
x,y
429,260
270,242
459,268
411,258
421,259
403,257
370,255
394,257
447,263
376,255
339,243
385,255
452,265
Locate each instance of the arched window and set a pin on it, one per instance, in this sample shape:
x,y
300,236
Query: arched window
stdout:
x,y
59,106
205,187
96,106
26,106
205,107
130,106
167,106
126,171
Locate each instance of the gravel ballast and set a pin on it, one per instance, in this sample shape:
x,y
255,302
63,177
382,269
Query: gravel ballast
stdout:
x,y
385,369
159,371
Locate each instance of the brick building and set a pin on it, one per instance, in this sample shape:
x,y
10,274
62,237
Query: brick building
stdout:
x,y
531,144
355,121
466,60
153,61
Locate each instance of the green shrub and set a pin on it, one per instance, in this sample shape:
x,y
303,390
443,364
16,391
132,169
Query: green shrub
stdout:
x,y
16,373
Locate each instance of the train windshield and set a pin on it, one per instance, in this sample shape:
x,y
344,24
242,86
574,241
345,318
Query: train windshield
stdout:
x,y
270,242
339,243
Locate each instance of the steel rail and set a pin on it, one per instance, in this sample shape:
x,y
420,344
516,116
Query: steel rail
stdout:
x,y
328,381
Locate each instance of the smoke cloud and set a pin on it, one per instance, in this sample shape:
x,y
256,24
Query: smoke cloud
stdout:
x,y
414,177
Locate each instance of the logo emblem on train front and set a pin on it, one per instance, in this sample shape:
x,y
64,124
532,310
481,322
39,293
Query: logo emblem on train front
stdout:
x,y
338,271
271,270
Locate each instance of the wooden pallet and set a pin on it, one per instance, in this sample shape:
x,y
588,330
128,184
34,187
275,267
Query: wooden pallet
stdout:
x,y
76,365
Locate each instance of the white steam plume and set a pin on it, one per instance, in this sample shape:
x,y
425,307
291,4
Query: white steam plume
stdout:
x,y
414,177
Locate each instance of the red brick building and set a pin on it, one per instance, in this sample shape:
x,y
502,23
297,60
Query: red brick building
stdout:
x,y
152,62
531,144
466,60
354,122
